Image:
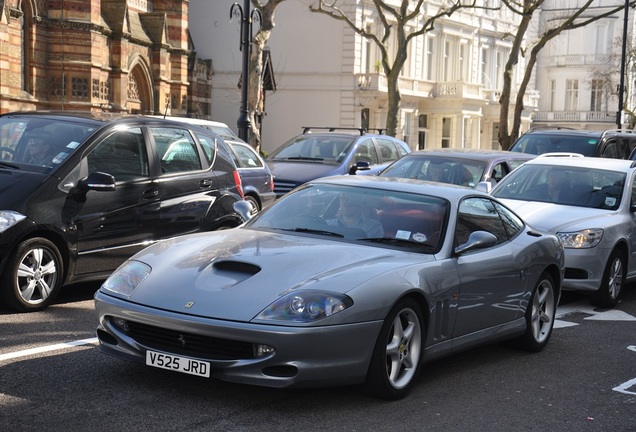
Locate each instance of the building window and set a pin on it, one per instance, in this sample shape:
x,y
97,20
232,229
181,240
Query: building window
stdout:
x,y
407,128
429,59
461,67
26,29
596,102
552,94
447,64
364,118
485,79
572,95
446,132
367,51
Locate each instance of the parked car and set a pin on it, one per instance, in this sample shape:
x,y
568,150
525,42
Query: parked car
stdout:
x,y
111,185
612,143
466,167
256,178
313,155
308,292
589,203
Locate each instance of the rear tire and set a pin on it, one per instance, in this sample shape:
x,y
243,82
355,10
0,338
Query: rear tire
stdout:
x,y
540,316
33,275
608,295
396,359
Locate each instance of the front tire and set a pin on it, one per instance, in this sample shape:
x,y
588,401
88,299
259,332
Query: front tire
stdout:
x,y
540,315
396,359
33,275
609,293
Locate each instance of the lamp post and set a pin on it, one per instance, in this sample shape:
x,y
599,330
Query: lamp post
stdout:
x,y
621,86
243,123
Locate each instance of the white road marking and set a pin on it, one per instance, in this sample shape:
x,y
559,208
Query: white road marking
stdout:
x,y
584,307
627,384
60,346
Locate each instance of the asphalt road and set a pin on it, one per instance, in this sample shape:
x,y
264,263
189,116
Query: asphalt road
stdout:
x,y
585,380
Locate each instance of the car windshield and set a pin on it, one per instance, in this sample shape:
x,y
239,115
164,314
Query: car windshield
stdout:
x,y
435,168
556,143
377,217
582,187
314,148
36,142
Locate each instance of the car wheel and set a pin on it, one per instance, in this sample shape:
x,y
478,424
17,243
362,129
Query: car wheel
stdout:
x,y
255,205
540,316
33,275
609,293
397,354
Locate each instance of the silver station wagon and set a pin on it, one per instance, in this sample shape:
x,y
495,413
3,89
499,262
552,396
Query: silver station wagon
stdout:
x,y
589,203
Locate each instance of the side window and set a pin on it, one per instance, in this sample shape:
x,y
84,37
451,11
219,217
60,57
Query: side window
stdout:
x,y
478,214
208,143
247,158
122,155
177,150
365,152
388,150
499,171
611,150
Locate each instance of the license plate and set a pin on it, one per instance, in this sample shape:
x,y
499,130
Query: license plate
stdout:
x,y
178,364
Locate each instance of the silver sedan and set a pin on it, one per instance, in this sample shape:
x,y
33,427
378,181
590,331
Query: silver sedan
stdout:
x,y
345,280
589,203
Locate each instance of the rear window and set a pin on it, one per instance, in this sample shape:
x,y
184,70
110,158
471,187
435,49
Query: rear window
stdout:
x,y
546,143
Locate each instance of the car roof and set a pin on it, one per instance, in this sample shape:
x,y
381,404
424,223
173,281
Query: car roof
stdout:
x,y
475,154
585,162
423,187
191,120
577,132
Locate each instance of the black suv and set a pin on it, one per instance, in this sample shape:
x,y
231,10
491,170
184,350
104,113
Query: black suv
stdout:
x,y
82,192
314,154
613,143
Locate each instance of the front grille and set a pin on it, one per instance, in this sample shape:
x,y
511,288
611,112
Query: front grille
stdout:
x,y
281,188
188,344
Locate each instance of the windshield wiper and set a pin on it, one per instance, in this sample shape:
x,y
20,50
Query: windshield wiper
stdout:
x,y
397,241
314,231
303,158
9,165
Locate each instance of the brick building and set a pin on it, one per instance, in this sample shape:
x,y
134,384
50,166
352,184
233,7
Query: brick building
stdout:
x,y
101,55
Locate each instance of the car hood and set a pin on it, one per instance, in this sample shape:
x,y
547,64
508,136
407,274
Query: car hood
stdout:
x,y
555,217
234,274
16,186
301,172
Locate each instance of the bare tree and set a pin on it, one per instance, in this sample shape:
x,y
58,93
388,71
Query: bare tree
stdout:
x,y
255,73
574,17
405,20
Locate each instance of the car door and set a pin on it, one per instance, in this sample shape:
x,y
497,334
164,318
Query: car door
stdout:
x,y
491,287
187,185
113,225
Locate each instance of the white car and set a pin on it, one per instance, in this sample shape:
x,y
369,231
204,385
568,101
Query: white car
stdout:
x,y
589,203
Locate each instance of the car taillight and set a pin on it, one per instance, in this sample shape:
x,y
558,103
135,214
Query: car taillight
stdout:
x,y
239,185
271,183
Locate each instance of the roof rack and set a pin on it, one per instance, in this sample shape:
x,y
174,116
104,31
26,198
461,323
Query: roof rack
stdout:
x,y
617,131
307,129
536,128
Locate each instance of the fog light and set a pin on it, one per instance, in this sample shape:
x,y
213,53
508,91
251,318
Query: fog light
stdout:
x,y
264,350
121,324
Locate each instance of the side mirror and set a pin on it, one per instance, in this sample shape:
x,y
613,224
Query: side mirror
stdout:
x,y
484,186
360,166
97,181
244,209
477,240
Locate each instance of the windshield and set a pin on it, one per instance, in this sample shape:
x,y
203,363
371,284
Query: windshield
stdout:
x,y
582,187
390,218
539,143
316,148
435,168
39,142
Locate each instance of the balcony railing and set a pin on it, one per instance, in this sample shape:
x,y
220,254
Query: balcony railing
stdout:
x,y
576,116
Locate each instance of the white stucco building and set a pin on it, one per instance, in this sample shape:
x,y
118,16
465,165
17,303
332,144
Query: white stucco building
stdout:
x,y
326,75
578,72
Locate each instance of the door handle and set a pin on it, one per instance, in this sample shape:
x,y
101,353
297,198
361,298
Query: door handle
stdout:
x,y
205,183
150,193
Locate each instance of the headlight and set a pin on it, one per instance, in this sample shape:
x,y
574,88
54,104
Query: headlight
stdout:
x,y
305,306
9,218
127,278
583,239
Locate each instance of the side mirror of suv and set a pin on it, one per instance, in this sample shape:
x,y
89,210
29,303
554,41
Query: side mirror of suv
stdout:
x,y
97,181
360,166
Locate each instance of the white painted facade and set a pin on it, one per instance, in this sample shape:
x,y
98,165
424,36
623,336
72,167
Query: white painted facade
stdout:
x,y
326,74
578,72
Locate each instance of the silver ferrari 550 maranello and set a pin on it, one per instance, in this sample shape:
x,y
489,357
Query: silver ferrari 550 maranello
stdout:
x,y
345,280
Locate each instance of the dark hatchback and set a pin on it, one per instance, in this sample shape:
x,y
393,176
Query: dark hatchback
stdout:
x,y
109,186
312,155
